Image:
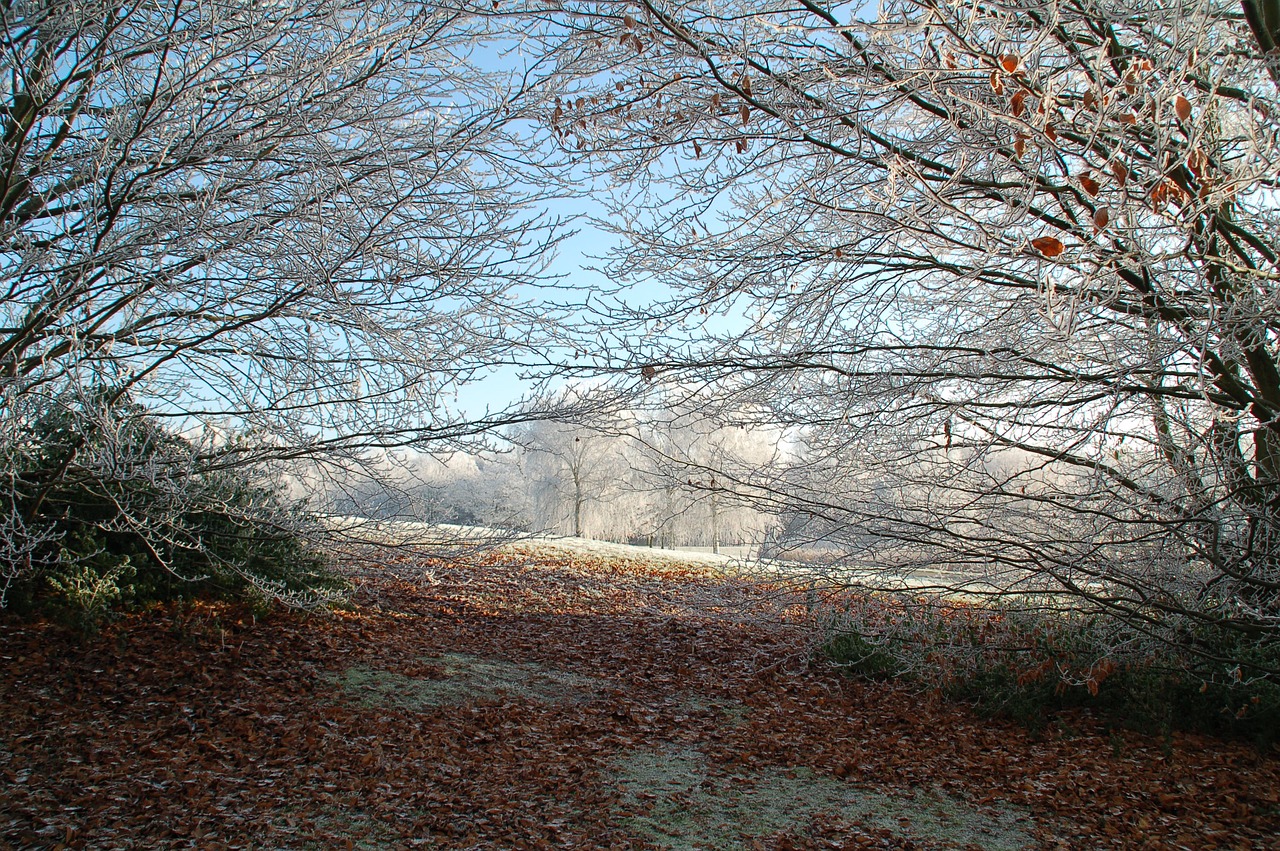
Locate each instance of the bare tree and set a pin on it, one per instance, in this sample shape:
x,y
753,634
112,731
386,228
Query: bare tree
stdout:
x,y
302,222
1011,269
575,471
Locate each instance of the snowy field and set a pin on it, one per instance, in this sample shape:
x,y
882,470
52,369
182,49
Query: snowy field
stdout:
x,y
731,560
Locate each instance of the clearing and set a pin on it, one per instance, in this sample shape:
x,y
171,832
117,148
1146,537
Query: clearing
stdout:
x,y
542,697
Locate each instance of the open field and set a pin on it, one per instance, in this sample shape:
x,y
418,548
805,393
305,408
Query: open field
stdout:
x,y
553,697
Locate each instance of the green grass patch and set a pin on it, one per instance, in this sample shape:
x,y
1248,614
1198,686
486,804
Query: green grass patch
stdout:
x,y
457,678
672,800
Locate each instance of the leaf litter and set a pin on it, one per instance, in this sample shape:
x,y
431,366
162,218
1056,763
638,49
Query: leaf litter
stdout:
x,y
538,698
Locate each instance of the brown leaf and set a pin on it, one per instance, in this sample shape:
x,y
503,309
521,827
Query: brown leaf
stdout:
x,y
1197,163
744,112
1016,103
1089,184
1019,145
1049,246
1009,62
1100,219
1090,99
996,85
1051,133
628,21
746,85
1128,118
1182,106
1121,173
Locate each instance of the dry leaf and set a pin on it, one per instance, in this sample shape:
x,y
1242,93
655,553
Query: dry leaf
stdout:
x,y
628,21
1100,219
1048,246
744,112
1089,184
1019,145
1121,173
996,85
1016,103
1182,106
1009,62
1090,99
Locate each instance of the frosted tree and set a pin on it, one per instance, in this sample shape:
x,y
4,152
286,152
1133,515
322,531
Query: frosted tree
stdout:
x,y
290,228
1010,269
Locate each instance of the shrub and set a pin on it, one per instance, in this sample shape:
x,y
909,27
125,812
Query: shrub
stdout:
x,y
1031,662
123,511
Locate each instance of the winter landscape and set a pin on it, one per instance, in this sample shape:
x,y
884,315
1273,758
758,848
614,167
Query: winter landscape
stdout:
x,y
640,424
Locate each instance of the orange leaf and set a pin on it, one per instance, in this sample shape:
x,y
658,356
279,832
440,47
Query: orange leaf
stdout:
x,y
996,85
1100,219
1090,185
1016,102
1048,246
1182,106
1196,162
1121,173
1009,62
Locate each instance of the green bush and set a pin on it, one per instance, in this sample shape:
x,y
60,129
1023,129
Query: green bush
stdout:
x,y
1029,665
130,515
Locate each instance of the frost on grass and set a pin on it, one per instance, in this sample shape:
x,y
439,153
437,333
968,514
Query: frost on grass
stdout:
x,y
674,802
458,677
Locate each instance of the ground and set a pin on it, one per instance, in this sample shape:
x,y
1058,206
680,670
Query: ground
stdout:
x,y
545,698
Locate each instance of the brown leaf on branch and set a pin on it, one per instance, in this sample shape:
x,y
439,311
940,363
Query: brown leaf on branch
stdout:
x,y
1009,62
1182,106
996,85
1121,173
1016,103
744,112
1100,219
1089,184
1197,163
1049,246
